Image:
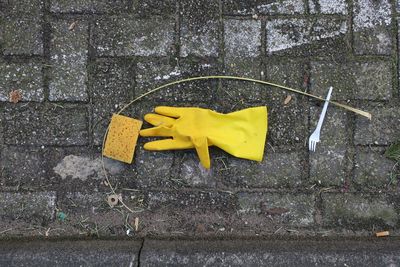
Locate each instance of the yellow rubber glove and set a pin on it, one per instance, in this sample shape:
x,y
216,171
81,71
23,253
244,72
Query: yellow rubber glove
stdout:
x,y
241,133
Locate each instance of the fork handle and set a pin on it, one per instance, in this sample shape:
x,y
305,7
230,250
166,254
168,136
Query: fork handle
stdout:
x,y
322,116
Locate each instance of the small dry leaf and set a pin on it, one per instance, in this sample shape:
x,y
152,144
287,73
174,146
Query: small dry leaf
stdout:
x,y
72,25
15,96
287,100
136,224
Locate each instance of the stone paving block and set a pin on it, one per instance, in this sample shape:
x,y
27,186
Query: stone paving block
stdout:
x,y
287,123
372,27
304,37
242,38
26,77
21,35
129,36
202,41
35,207
382,129
112,87
336,129
290,209
199,29
32,7
234,94
89,6
289,73
155,7
373,169
277,170
54,168
359,211
153,168
46,125
193,174
153,73
328,7
329,165
370,80
68,51
263,7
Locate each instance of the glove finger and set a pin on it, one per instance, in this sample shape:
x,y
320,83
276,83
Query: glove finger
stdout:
x,y
157,131
201,145
168,111
168,144
158,120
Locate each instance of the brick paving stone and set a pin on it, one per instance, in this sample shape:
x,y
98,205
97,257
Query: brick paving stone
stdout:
x,y
264,7
359,211
26,77
153,169
199,29
155,7
287,123
193,174
282,208
306,36
372,27
336,129
35,207
68,50
55,168
382,129
328,7
277,170
370,80
91,6
202,42
32,7
242,38
21,35
373,169
46,125
329,166
153,73
235,94
289,73
112,87
129,36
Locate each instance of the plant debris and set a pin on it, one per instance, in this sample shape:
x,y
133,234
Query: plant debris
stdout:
x,y
136,224
287,100
15,96
113,200
382,234
393,152
72,25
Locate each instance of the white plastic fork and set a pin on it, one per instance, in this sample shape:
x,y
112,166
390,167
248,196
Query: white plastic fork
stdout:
x,y
314,137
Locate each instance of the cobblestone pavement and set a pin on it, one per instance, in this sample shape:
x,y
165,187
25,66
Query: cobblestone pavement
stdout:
x,y
76,62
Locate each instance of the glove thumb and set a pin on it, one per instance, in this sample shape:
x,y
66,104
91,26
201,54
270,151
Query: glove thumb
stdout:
x,y
201,145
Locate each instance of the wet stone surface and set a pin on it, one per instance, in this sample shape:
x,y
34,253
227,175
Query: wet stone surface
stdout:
x,y
241,7
91,6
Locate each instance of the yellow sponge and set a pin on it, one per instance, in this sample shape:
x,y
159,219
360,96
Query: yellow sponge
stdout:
x,y
121,138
